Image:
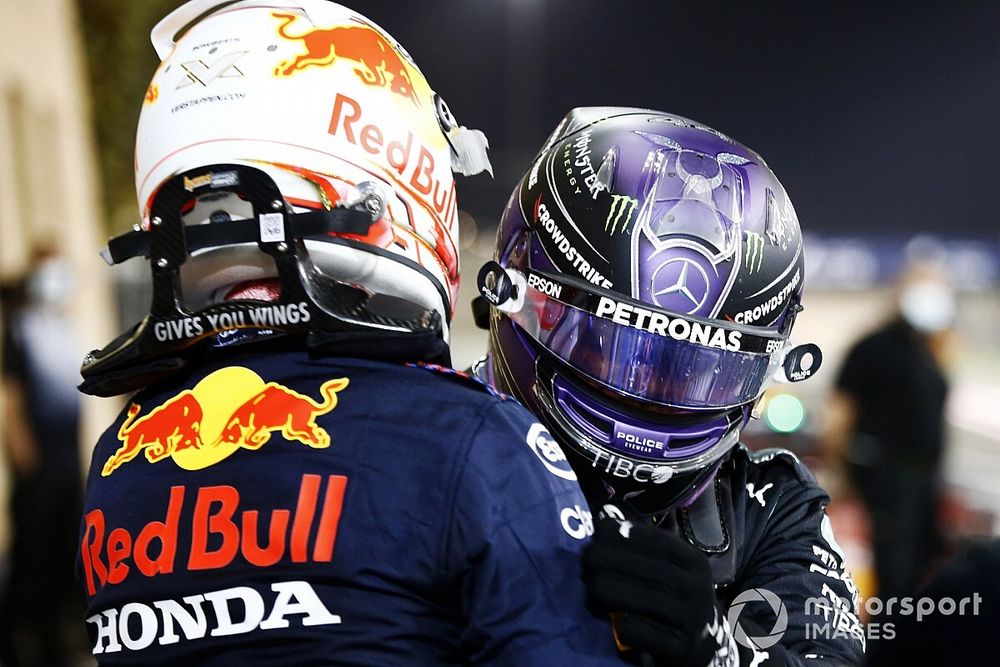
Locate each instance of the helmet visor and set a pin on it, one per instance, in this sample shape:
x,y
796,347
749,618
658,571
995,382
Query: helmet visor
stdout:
x,y
645,352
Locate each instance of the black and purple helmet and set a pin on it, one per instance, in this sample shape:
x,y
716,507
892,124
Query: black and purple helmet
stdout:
x,y
648,271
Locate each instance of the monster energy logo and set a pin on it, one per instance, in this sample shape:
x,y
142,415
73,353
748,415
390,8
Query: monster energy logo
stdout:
x,y
621,206
755,251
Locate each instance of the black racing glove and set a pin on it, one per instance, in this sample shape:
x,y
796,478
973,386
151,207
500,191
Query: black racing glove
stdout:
x,y
659,592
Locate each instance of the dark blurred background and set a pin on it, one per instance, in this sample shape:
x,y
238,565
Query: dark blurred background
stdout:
x,y
878,117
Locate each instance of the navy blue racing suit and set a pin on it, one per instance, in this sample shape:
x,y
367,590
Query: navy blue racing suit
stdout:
x,y
272,508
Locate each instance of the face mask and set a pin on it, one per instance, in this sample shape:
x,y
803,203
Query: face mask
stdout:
x,y
927,306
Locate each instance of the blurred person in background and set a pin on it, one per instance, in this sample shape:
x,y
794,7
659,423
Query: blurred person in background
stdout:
x,y
647,276
300,479
886,427
41,415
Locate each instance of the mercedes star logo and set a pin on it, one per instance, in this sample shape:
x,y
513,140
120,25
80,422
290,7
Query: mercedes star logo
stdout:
x,y
679,284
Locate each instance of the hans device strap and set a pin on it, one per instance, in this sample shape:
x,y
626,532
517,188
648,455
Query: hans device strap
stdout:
x,y
310,303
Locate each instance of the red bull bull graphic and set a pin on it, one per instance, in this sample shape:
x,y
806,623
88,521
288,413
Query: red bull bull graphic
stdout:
x,y
227,410
380,63
171,427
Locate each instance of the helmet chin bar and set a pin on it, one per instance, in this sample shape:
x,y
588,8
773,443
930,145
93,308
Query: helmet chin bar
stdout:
x,y
311,304
712,436
657,489
649,488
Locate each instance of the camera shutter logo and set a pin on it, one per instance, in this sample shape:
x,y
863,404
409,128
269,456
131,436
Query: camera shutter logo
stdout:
x,y
780,623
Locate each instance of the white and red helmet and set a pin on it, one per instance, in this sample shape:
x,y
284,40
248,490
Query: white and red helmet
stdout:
x,y
332,108
294,173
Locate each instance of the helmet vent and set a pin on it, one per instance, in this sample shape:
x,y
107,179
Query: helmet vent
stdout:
x,y
595,421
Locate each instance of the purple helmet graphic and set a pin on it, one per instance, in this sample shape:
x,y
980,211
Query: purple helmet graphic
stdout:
x,y
648,272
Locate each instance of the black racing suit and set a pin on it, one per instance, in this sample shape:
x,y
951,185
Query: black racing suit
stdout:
x,y
764,529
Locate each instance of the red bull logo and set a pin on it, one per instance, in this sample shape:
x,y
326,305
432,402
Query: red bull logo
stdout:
x,y
229,409
223,527
415,164
379,63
